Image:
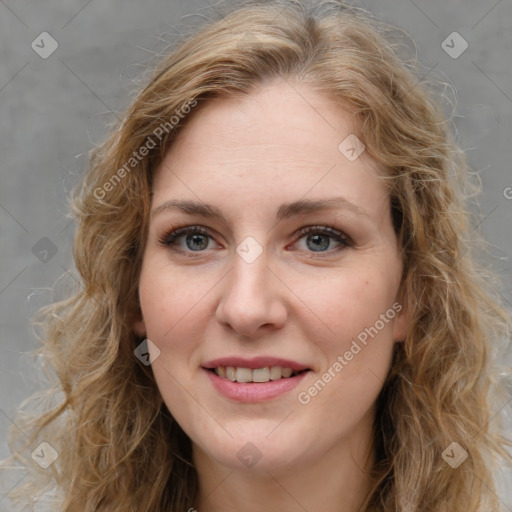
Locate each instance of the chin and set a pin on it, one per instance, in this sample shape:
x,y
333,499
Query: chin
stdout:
x,y
259,450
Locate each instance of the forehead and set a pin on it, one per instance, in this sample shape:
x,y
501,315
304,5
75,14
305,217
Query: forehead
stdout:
x,y
280,115
281,140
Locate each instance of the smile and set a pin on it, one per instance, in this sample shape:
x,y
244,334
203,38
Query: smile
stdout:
x,y
254,379
265,374
253,391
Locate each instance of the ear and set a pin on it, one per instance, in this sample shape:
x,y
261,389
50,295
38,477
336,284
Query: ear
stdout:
x,y
139,328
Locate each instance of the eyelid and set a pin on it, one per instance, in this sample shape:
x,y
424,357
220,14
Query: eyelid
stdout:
x,y
174,233
342,238
327,230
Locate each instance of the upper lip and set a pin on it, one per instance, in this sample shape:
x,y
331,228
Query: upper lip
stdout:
x,y
255,362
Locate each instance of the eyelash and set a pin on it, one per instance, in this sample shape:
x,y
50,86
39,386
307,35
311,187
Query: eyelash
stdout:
x,y
169,239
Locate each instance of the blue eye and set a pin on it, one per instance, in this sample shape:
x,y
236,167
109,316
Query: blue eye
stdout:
x,y
319,239
196,238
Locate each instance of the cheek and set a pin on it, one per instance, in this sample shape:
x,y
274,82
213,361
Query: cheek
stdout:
x,y
173,303
348,302
168,297
357,347
167,300
355,335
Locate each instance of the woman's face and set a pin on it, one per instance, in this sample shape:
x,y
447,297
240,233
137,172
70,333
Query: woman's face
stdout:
x,y
289,263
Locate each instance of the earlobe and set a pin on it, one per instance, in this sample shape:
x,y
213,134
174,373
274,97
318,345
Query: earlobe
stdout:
x,y
139,328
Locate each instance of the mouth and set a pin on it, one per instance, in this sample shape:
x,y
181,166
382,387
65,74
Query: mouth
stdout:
x,y
254,380
255,375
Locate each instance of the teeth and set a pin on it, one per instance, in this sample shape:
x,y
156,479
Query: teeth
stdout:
x,y
239,374
275,372
261,375
286,372
230,373
243,375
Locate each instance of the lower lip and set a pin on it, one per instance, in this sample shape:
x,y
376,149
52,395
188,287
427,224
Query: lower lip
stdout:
x,y
254,391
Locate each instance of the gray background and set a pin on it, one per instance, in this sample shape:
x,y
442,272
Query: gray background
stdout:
x,y
53,111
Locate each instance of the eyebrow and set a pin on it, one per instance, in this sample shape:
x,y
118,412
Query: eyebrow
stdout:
x,y
285,211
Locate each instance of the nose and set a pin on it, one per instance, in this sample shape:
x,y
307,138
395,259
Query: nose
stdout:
x,y
252,298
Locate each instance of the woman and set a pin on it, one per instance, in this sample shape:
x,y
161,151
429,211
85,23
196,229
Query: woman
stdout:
x,y
279,309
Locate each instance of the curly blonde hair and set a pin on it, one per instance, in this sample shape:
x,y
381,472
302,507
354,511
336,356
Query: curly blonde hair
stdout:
x,y
119,447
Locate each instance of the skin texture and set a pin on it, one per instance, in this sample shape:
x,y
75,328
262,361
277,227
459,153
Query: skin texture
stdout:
x,y
247,156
